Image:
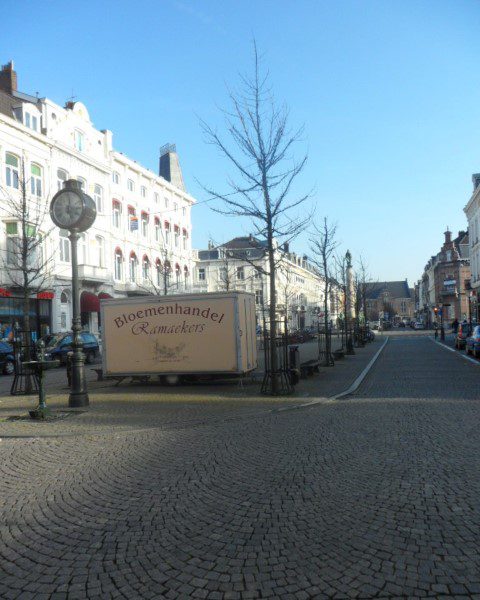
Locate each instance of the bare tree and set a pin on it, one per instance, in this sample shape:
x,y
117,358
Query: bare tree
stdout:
x,y
258,148
26,263
323,245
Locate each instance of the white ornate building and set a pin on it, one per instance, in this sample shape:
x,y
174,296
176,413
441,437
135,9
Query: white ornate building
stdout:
x,y
242,264
141,239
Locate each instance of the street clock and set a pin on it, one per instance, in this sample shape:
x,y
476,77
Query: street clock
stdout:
x,y
72,209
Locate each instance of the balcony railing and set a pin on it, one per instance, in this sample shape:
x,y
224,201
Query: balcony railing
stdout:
x,y
92,273
448,291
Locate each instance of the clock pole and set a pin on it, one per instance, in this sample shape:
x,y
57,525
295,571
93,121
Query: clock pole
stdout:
x,y
78,395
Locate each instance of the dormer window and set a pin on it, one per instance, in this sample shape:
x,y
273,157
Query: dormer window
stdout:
x,y
30,121
79,139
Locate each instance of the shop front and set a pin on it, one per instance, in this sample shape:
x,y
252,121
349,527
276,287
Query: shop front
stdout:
x,y
12,313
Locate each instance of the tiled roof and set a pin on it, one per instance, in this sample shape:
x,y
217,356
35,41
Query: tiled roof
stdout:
x,y
395,289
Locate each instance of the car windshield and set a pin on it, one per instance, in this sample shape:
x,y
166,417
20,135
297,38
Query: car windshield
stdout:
x,y
55,340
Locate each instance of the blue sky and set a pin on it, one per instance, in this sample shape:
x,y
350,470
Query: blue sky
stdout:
x,y
388,92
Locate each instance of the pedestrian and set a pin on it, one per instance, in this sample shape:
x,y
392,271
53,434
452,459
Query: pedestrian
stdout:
x,y
455,326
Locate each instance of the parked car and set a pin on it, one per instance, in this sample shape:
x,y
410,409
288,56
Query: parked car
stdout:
x,y
7,359
61,344
419,325
463,332
472,342
401,324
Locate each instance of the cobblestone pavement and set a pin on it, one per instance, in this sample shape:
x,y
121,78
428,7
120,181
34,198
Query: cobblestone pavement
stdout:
x,y
375,496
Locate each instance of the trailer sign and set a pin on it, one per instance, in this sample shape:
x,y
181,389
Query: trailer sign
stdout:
x,y
179,334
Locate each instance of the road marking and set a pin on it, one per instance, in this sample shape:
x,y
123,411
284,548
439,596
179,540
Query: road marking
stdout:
x,y
355,385
465,356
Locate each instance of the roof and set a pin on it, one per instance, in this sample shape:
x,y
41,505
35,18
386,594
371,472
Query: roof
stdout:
x,y
395,289
244,242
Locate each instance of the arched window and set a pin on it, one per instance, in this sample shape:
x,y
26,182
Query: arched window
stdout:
x,y
145,268
144,223
132,219
178,272
36,180
83,183
64,298
176,230
118,264
185,275
167,233
100,250
62,176
64,246
12,170
158,271
158,229
133,263
116,177
184,238
116,214
167,271
98,197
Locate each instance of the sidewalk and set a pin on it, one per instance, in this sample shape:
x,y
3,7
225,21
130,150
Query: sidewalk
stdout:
x,y
134,407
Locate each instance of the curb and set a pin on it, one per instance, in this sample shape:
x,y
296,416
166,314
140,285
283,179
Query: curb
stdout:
x,y
355,385
464,356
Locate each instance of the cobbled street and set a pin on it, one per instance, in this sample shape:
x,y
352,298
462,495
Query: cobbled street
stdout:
x,y
376,495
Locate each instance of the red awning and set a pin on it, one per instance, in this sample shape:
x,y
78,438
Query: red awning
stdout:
x,y
104,296
89,302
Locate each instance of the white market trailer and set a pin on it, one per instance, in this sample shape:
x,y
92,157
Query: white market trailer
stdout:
x,y
188,334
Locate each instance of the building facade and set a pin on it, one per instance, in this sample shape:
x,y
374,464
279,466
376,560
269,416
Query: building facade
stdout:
x,y
472,211
445,282
242,264
391,301
140,242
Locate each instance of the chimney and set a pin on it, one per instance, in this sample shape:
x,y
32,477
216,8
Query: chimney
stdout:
x,y
250,238
8,78
170,166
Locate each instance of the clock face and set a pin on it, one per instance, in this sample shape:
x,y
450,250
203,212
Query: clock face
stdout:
x,y
67,209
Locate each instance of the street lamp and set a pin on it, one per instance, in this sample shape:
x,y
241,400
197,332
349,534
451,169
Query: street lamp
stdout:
x,y
74,210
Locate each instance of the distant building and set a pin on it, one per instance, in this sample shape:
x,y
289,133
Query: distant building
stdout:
x,y
472,211
445,282
393,301
242,264
141,239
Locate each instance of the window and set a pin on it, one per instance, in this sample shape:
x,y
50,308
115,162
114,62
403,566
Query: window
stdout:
x,y
98,197
185,238
100,250
36,180
240,273
83,183
156,198
30,121
34,123
145,268
62,176
259,297
201,274
130,185
116,177
83,251
184,212
158,230
12,172
178,273
116,214
118,264
13,244
27,119
185,274
144,224
177,236
256,273
133,267
132,219
79,139
158,269
166,202
167,233
175,206
143,191
64,246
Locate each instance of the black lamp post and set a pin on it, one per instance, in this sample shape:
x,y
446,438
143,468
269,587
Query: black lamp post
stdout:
x,y
74,210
